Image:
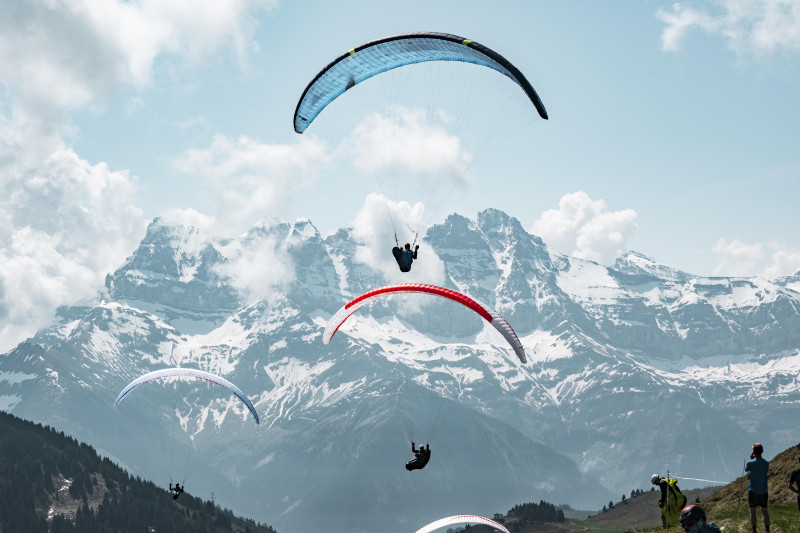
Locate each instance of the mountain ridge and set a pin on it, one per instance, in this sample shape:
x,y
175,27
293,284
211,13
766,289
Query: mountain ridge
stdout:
x,y
626,362
57,484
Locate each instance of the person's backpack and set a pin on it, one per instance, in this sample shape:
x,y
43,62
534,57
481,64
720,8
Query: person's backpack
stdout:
x,y
680,498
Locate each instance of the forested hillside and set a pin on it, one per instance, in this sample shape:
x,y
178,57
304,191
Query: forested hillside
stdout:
x,y
49,482
522,516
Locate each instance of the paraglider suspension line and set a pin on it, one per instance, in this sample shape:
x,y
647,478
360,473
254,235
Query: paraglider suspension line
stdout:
x,y
172,456
741,488
666,503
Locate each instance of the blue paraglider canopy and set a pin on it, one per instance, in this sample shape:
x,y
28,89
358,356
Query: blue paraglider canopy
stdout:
x,y
381,55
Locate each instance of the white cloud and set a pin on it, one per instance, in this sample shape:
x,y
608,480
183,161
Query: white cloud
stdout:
x,y
738,258
251,178
770,260
679,22
62,54
784,261
760,27
582,227
25,141
404,140
257,266
57,56
373,229
207,224
65,225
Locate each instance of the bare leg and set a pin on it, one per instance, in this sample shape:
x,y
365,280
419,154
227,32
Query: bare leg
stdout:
x,y
753,517
765,513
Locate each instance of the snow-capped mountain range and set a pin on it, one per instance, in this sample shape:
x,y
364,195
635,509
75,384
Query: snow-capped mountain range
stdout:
x,y
633,369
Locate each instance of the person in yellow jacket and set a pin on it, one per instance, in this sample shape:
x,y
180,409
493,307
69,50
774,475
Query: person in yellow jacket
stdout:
x,y
672,500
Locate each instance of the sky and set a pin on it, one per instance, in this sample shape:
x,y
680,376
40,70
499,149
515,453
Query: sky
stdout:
x,y
672,131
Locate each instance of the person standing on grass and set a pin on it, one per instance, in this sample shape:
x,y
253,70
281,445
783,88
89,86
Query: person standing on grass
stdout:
x,y
672,500
794,484
758,490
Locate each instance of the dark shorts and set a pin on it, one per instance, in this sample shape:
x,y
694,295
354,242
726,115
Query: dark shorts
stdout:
x,y
757,500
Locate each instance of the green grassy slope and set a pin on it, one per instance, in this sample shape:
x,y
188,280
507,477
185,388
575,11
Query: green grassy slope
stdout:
x,y
725,506
728,506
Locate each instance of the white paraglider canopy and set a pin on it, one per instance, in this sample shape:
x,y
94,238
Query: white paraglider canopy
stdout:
x,y
461,519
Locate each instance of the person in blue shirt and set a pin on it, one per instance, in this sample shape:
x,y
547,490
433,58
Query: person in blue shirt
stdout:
x,y
405,256
758,490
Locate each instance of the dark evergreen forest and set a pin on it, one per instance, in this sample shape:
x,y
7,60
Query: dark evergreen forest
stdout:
x,y
527,514
42,471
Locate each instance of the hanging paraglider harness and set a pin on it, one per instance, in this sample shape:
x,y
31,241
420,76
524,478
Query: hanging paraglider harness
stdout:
x,y
421,457
176,491
405,257
425,412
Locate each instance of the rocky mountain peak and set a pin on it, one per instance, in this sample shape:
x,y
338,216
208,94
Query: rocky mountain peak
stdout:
x,y
637,263
613,353
304,229
173,262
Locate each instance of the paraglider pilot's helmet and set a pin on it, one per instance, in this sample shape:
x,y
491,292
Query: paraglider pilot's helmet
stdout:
x,y
691,517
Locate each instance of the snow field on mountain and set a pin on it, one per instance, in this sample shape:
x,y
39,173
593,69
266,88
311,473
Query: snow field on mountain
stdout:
x,y
590,282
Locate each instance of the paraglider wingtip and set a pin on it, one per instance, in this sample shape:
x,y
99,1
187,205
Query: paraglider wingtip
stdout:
x,y
522,355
